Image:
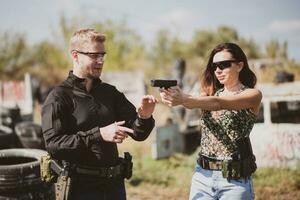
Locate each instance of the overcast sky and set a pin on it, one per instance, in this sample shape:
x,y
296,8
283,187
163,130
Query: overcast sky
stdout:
x,y
261,20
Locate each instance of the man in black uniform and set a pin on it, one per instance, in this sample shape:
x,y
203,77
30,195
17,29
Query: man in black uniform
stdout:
x,y
84,118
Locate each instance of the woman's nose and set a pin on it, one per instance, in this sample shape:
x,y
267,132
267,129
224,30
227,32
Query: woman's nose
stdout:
x,y
218,70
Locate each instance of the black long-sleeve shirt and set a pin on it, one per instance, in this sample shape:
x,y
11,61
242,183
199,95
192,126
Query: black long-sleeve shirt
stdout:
x,y
71,118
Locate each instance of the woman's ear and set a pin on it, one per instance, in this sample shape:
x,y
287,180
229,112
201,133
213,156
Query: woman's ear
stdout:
x,y
240,66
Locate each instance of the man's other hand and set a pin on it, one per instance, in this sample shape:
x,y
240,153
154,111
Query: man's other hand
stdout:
x,y
147,106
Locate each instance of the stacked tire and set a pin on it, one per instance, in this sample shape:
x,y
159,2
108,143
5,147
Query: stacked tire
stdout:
x,y
6,137
30,135
20,175
10,116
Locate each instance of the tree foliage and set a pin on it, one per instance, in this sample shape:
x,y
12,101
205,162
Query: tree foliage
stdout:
x,y
276,50
14,55
204,41
125,49
123,45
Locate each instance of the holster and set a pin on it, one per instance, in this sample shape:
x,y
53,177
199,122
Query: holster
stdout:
x,y
64,184
127,163
232,169
243,163
53,172
47,174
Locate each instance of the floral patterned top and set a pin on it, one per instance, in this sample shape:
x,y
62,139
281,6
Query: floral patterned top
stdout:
x,y
220,130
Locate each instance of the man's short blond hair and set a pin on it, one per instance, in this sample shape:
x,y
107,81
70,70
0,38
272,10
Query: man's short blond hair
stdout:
x,y
84,37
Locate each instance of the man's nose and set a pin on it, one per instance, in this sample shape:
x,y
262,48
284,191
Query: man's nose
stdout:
x,y
100,60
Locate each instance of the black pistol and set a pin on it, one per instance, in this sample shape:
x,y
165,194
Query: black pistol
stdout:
x,y
163,83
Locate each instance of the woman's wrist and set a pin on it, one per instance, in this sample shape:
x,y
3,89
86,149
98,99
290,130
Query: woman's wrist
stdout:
x,y
185,100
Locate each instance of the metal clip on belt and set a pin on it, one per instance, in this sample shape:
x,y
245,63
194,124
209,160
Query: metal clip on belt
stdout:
x,y
210,164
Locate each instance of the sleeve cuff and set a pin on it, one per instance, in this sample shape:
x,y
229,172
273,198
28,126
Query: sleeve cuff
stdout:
x,y
141,121
96,135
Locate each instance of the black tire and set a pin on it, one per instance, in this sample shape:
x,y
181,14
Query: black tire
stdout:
x,y
30,135
6,137
20,171
10,116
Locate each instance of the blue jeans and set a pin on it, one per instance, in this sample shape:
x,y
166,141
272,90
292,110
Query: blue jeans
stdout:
x,y
210,184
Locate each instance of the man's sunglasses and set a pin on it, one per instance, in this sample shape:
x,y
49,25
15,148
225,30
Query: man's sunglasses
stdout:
x,y
93,55
222,64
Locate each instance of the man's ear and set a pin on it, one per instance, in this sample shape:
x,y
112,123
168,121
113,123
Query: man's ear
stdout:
x,y
74,55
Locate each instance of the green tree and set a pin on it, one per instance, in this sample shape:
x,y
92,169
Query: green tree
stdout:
x,y
178,48
125,49
276,50
226,34
49,62
14,55
123,45
272,49
202,42
160,52
284,50
250,47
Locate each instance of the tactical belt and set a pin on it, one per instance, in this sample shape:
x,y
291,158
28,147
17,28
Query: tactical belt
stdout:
x,y
231,169
122,170
101,172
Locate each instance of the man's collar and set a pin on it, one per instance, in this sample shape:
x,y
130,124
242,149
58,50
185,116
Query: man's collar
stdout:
x,y
81,82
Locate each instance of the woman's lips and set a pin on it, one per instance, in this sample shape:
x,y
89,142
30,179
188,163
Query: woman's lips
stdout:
x,y
220,77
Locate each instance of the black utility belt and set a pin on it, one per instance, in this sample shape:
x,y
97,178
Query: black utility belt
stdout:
x,y
122,170
231,169
52,169
102,172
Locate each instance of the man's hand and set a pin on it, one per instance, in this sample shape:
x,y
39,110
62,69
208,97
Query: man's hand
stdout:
x,y
115,132
147,106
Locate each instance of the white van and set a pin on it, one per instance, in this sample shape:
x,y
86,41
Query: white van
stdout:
x,y
276,135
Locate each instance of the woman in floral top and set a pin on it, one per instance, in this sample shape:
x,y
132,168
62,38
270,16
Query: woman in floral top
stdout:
x,y
230,104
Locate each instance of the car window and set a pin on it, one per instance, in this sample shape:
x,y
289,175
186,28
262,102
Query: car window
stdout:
x,y
285,112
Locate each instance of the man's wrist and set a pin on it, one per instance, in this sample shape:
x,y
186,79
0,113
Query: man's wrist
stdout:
x,y
144,116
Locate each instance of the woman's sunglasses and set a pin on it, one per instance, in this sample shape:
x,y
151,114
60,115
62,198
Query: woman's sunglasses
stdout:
x,y
222,64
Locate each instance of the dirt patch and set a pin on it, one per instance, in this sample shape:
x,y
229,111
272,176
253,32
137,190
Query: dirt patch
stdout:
x,y
154,192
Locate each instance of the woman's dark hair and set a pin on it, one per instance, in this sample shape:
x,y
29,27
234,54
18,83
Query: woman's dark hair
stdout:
x,y
210,84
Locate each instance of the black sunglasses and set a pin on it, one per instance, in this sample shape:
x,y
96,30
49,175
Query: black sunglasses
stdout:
x,y
222,64
93,55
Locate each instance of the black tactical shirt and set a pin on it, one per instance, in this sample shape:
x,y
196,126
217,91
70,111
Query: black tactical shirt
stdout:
x,y
71,118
